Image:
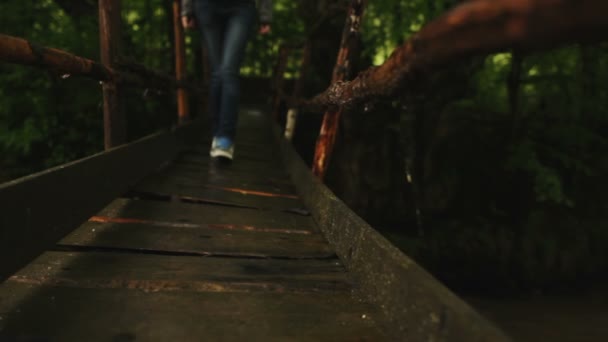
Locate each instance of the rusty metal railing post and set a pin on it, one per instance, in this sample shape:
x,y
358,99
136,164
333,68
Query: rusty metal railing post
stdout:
x,y
115,126
342,69
183,106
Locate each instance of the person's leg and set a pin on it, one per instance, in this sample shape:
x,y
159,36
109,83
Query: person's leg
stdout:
x,y
212,23
239,27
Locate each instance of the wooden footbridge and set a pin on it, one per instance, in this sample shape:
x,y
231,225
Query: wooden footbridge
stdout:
x,y
153,241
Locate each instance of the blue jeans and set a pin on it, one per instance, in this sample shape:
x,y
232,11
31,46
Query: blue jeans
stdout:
x,y
226,26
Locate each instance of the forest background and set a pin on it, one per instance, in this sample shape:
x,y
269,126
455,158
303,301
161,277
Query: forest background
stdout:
x,y
507,154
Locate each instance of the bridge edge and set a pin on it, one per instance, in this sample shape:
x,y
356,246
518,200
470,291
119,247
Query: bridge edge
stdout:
x,y
384,276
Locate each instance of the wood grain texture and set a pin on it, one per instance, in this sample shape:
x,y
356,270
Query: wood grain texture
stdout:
x,y
158,273
206,214
199,241
69,314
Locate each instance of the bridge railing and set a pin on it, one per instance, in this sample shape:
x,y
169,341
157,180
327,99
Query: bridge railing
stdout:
x,y
112,70
473,28
38,210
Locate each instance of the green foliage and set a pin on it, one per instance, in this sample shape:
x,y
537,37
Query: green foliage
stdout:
x,y
388,23
287,26
490,84
547,182
499,173
41,125
529,179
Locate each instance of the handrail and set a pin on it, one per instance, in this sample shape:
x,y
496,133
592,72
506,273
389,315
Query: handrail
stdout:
x,y
477,27
20,51
113,71
474,28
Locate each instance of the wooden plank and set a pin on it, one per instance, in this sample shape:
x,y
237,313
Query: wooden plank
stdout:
x,y
40,209
415,305
253,134
187,213
223,179
155,273
247,151
70,314
199,240
230,197
254,138
184,178
210,193
271,165
228,176
238,168
226,170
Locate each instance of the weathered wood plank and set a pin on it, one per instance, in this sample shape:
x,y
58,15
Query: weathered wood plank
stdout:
x,y
200,240
234,175
226,184
225,170
238,166
226,196
69,314
415,305
175,177
209,215
155,273
37,210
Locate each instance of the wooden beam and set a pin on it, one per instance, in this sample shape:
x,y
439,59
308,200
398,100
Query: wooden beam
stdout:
x,y
21,51
39,209
115,123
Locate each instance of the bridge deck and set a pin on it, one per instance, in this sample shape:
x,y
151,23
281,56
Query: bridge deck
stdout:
x,y
197,251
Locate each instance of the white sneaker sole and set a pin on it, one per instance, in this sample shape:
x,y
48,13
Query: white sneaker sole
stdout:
x,y
216,152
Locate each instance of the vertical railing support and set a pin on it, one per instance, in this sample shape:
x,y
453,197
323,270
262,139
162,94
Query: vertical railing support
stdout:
x,y
115,127
292,113
342,70
183,107
279,80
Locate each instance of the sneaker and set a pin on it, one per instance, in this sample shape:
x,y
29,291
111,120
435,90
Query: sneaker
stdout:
x,y
222,147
